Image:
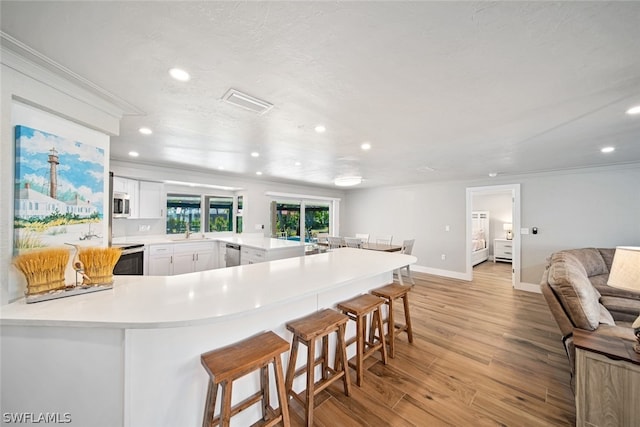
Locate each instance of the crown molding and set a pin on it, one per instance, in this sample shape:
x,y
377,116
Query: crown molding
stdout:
x,y
30,62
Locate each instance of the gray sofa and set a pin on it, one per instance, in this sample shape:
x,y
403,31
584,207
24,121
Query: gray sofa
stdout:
x,y
574,285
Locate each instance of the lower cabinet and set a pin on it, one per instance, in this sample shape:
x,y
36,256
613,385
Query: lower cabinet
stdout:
x,y
252,255
180,258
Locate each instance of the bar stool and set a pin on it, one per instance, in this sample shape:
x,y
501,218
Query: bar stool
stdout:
x,y
307,330
391,293
229,363
358,308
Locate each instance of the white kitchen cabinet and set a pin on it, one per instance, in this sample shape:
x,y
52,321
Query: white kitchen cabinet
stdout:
x,y
250,255
180,258
160,260
151,200
222,251
205,260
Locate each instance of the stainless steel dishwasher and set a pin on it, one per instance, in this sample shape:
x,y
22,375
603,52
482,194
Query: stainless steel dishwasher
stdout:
x,y
232,255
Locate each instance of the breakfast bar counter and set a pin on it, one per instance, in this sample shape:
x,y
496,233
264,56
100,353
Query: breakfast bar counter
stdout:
x,y
130,356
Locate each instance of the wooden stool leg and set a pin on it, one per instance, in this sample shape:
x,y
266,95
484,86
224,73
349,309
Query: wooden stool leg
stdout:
x,y
264,386
360,335
291,367
225,411
310,391
378,319
407,318
210,404
391,329
325,357
346,380
283,397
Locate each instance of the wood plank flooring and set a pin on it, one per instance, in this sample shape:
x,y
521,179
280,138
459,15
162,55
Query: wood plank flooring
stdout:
x,y
483,355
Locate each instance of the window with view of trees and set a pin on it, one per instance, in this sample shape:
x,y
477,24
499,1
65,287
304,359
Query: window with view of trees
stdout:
x,y
183,211
286,219
199,213
220,215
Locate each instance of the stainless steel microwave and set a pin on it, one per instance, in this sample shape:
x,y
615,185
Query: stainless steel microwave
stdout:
x,y
121,205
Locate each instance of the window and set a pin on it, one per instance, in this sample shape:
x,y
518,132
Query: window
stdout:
x,y
239,215
201,213
288,217
220,213
183,211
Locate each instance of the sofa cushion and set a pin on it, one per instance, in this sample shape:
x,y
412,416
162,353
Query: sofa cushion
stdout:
x,y
568,279
591,260
605,316
621,305
607,256
600,283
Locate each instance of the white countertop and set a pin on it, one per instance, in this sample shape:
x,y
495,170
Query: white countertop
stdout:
x,y
195,298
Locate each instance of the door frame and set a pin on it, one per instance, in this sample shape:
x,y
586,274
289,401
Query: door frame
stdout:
x,y
515,213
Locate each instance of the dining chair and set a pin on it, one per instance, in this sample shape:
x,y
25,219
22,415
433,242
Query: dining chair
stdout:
x,y
322,237
363,237
353,242
384,240
335,242
407,247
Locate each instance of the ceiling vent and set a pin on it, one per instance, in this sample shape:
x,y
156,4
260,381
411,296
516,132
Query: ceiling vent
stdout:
x,y
248,102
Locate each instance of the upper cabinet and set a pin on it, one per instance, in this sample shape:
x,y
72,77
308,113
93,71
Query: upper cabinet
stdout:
x,y
151,200
146,198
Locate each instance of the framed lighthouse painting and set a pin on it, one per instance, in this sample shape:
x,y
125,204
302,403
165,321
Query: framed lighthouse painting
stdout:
x,y
59,191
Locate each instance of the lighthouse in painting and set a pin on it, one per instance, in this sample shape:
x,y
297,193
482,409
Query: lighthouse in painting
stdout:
x,y
53,173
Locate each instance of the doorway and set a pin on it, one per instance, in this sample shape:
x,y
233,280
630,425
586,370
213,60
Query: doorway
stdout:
x,y
504,225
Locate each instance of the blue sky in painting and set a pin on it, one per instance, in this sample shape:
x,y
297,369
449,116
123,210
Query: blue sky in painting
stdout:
x,y
81,168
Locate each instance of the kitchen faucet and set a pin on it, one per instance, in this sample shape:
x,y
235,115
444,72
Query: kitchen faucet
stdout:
x,y
188,232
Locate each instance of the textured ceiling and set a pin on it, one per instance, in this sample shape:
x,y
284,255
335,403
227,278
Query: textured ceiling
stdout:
x,y
441,90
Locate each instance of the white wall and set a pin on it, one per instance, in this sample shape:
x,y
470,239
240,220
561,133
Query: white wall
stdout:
x,y
597,207
57,102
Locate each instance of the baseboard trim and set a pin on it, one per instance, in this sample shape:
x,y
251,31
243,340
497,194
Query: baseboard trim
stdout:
x,y
528,287
443,273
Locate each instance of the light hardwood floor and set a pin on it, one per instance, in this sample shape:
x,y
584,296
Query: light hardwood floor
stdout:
x,y
483,354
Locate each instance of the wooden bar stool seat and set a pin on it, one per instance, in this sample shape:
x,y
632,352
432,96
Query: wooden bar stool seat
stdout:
x,y
229,363
307,330
391,293
358,309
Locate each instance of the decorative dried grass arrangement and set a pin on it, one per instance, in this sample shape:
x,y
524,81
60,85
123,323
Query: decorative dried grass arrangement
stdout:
x,y
99,263
43,269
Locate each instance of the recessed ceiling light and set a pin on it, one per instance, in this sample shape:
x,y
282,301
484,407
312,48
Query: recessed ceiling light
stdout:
x,y
365,146
297,163
255,154
180,75
493,174
320,128
134,153
145,131
634,110
258,173
220,168
348,181
608,149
